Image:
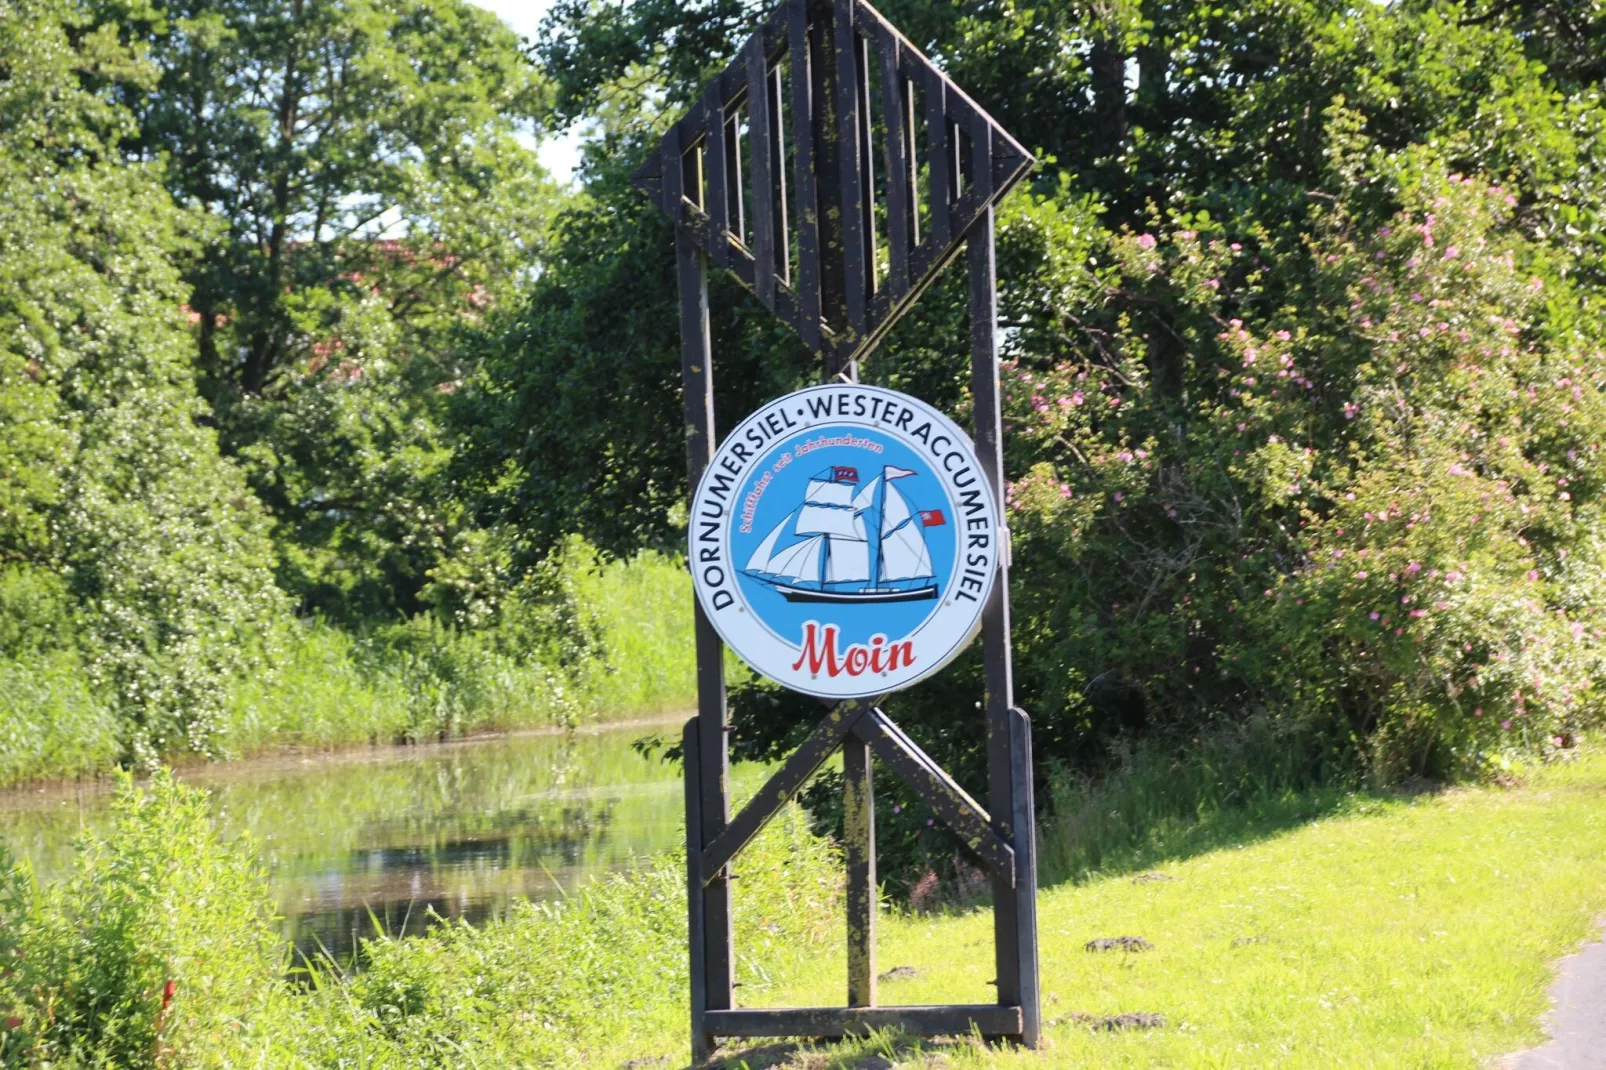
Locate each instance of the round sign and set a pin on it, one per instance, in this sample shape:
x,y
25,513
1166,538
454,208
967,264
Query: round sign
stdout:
x,y
844,539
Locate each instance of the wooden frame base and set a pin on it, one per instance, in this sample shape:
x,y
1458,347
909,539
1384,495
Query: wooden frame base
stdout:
x,y
988,1019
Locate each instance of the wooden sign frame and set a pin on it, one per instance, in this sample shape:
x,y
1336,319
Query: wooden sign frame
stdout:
x,y
813,92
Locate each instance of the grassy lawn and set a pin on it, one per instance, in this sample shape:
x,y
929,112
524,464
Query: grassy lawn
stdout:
x,y
1390,932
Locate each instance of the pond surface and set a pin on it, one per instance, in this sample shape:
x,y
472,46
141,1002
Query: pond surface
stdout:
x,y
387,835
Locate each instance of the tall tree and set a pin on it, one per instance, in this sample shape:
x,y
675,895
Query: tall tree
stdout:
x,y
113,495
370,169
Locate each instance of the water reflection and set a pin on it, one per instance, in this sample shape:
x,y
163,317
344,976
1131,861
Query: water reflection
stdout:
x,y
387,836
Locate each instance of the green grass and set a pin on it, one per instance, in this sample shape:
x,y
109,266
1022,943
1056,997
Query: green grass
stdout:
x,y
420,680
644,607
1387,931
412,681
1392,932
51,724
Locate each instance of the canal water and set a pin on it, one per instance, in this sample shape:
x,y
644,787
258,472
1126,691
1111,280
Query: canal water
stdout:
x,y
386,836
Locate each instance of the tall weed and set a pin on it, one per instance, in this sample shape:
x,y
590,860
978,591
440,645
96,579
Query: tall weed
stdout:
x,y
160,948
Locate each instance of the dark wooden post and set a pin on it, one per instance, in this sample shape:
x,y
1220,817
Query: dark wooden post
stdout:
x,y
1009,770
708,761
858,835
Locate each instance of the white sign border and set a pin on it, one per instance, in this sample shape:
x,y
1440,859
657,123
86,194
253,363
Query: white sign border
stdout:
x,y
718,498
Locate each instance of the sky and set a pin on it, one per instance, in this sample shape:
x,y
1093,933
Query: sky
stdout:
x,y
559,155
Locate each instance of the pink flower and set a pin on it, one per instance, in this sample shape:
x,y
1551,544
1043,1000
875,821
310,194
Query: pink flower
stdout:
x,y
1214,284
1146,241
1478,712
1120,497
1536,284
1451,253
1374,614
1505,724
1413,568
1350,409
1533,574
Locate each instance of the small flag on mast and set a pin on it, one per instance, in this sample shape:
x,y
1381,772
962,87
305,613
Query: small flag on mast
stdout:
x,y
892,471
932,518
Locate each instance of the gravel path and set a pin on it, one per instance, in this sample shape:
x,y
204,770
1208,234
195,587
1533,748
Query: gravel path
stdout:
x,y
1577,1019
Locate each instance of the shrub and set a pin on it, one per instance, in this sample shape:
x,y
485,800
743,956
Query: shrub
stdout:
x,y
159,948
1373,507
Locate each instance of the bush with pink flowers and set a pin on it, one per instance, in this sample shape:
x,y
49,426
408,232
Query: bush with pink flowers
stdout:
x,y
1363,495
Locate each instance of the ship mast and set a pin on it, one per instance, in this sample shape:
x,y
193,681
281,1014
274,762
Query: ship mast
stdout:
x,y
873,532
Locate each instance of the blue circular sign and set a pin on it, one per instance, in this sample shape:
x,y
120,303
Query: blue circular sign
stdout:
x,y
844,540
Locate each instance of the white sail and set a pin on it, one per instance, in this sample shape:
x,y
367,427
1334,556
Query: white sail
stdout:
x,y
849,561
800,562
903,548
824,492
827,520
865,499
760,561
894,512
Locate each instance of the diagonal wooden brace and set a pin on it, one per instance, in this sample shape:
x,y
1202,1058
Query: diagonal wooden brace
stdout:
x,y
793,774
951,802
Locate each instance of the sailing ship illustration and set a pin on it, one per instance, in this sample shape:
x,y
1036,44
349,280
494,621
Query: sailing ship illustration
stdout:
x,y
856,544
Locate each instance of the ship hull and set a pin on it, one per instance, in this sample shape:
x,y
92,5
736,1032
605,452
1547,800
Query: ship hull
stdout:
x,y
803,594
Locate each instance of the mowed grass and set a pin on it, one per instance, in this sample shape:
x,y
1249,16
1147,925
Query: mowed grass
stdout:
x,y
1393,932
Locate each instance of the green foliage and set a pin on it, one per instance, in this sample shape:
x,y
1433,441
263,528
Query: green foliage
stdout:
x,y
110,482
372,201
618,944
159,949
1222,382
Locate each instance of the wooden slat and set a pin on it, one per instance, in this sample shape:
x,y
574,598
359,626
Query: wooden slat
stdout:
x,y
925,264
950,802
867,170
736,198
807,283
673,175
761,141
858,849
939,157
741,264
702,1043
853,195
896,104
1025,824
717,202
953,1020
649,177
793,774
779,210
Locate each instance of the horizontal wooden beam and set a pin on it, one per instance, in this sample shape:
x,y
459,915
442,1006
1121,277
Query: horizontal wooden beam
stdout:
x,y
793,774
959,1019
939,790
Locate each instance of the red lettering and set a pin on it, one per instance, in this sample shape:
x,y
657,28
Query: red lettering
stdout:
x,y
813,654
906,650
820,653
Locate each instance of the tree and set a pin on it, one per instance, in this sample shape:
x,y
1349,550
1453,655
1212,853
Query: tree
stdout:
x,y
112,493
374,199
1222,187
